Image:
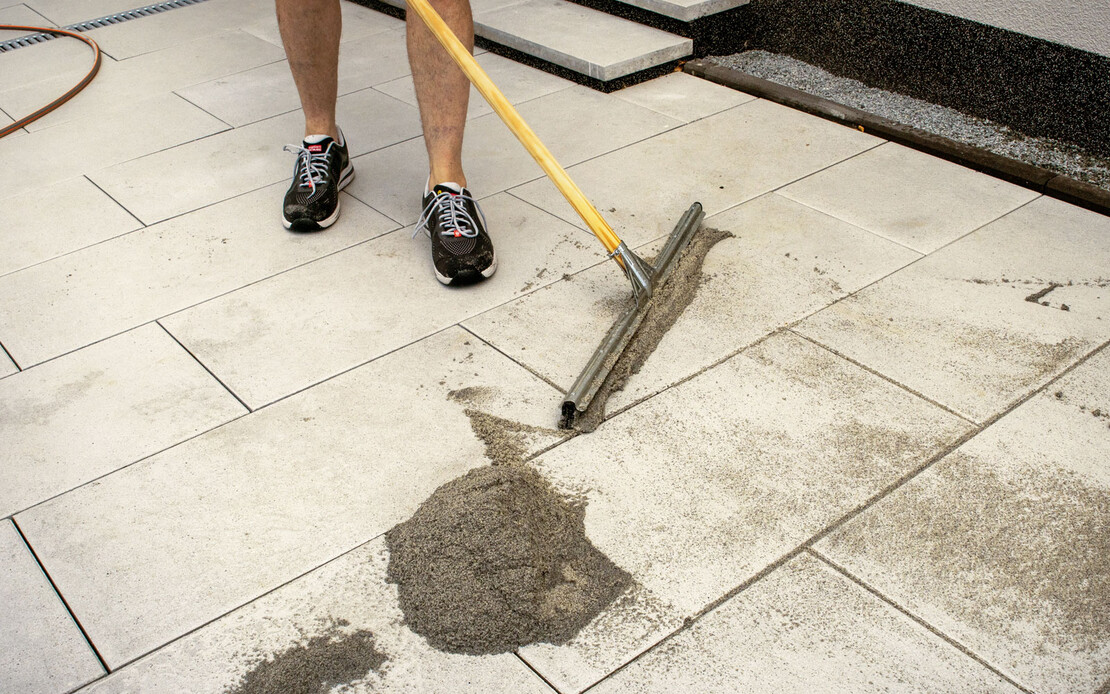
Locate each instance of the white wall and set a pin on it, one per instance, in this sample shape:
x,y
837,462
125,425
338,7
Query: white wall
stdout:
x,y
1083,24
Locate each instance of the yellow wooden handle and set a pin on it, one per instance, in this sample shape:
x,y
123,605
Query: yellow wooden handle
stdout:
x,y
503,108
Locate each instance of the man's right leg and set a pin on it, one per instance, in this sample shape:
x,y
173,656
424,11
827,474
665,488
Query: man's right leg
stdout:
x,y
310,31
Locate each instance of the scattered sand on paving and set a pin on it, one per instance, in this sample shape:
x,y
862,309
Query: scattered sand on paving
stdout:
x,y
315,666
666,305
497,559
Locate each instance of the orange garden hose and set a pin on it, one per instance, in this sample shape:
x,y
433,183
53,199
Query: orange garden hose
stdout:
x,y
64,97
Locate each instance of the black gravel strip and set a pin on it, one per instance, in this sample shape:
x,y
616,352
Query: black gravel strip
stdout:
x,y
1022,173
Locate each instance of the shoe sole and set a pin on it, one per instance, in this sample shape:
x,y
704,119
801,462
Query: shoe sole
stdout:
x,y
467,276
306,224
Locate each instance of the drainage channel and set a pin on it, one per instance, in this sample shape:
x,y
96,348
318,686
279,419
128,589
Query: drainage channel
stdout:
x,y
119,17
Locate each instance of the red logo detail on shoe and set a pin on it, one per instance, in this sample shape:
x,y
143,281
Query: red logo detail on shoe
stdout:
x,y
315,149
457,233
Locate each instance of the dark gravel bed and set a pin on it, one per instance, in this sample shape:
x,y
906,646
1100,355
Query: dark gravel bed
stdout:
x,y
1054,155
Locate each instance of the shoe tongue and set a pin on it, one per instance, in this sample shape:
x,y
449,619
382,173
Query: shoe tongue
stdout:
x,y
317,144
453,188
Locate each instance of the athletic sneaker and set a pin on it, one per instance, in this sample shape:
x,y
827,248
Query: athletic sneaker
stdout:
x,y
462,252
323,168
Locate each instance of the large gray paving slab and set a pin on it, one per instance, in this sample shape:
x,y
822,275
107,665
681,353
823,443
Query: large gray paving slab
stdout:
x,y
21,15
186,178
683,97
575,124
88,144
956,326
632,624
188,23
276,337
580,38
785,262
74,300
131,81
252,95
1003,544
101,408
719,161
166,545
352,589
41,649
44,61
908,196
7,366
517,82
704,486
805,628
63,12
78,215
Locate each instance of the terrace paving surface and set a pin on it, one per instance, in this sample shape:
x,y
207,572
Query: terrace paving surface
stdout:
x,y
863,460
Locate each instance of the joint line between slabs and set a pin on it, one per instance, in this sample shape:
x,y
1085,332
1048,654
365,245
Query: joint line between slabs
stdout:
x,y
121,206
9,356
502,353
204,366
536,672
918,620
65,603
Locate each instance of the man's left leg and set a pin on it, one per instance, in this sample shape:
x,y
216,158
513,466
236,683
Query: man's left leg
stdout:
x,y
462,251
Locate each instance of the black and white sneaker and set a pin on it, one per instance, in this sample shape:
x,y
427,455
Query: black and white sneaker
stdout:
x,y
323,168
462,252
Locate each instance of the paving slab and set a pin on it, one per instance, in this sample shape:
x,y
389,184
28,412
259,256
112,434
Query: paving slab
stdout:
x,y
119,83
358,23
1003,544
329,316
704,486
580,38
63,12
785,262
908,196
719,161
576,124
168,544
78,215
519,83
41,649
186,178
21,15
101,408
26,66
88,144
683,97
805,628
188,23
7,366
633,623
266,91
77,299
956,325
347,596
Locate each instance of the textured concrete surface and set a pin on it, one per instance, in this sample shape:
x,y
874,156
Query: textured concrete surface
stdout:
x,y
871,456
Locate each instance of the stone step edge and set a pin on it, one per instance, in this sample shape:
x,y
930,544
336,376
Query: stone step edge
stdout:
x,y
1035,178
606,79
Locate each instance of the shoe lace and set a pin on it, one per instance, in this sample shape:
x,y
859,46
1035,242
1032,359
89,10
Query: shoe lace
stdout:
x,y
451,215
311,168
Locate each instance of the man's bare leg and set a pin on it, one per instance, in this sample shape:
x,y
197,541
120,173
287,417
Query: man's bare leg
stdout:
x,y
442,90
310,31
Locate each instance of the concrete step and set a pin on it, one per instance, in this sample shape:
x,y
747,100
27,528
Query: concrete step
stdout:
x,y
684,10
581,39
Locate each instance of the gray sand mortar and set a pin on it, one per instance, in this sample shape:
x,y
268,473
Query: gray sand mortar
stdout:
x,y
316,666
496,560
665,307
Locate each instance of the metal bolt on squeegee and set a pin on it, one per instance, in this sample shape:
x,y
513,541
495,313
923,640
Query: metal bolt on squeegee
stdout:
x,y
125,16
